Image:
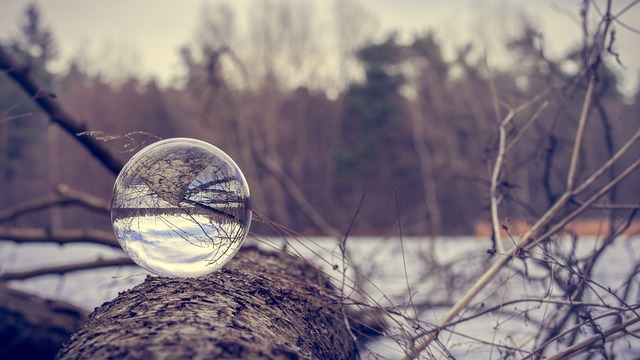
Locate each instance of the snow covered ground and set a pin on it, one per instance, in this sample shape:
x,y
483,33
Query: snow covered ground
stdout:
x,y
433,270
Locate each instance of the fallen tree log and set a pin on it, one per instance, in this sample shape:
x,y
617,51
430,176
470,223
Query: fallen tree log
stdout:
x,y
32,327
262,305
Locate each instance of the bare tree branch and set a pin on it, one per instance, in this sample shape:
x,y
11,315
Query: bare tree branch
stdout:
x,y
56,112
64,196
67,268
534,235
594,340
59,236
85,199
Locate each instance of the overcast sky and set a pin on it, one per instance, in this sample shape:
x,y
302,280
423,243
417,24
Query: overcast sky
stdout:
x,y
149,32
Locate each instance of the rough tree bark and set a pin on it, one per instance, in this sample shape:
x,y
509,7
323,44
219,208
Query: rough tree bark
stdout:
x,y
262,305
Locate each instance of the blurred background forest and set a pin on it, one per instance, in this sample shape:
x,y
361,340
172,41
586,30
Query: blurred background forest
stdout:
x,y
396,121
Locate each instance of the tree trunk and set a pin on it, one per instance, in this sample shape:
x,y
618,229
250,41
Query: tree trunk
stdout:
x,y
262,305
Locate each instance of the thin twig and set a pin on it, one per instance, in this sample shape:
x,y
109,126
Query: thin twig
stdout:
x,y
404,260
602,191
593,340
577,145
343,251
423,341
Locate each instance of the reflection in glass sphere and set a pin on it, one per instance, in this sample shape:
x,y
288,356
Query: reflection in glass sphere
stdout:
x,y
181,208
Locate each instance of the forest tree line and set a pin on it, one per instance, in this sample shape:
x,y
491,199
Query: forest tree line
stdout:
x,y
412,131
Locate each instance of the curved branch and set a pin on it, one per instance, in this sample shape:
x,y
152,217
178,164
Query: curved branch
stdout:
x,y
85,199
33,206
67,268
64,196
59,236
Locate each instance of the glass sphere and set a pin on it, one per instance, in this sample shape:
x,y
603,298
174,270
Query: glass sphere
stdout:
x,y
181,208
